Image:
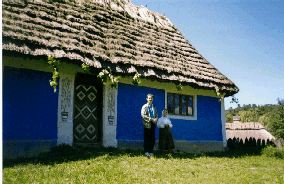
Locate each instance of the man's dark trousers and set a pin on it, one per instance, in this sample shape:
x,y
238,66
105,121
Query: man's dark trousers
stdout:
x,y
149,138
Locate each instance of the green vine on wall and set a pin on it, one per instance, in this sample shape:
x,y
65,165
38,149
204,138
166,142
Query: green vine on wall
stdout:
x,y
179,87
85,67
222,95
106,76
219,94
136,79
55,63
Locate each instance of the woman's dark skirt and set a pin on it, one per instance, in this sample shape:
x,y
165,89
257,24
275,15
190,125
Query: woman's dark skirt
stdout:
x,y
166,140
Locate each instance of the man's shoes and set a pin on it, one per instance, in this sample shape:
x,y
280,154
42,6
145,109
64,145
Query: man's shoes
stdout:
x,y
151,154
147,154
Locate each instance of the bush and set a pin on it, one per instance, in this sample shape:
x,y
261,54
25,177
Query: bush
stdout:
x,y
271,151
250,142
241,142
276,120
246,142
230,143
263,143
258,142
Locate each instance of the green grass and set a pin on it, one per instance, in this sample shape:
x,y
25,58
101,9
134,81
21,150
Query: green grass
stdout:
x,y
110,165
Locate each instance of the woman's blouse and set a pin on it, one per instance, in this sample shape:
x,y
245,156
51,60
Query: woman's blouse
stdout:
x,y
164,121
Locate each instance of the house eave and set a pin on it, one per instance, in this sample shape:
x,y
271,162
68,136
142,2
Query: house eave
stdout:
x,y
114,34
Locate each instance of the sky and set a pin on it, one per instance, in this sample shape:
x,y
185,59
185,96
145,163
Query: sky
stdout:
x,y
243,39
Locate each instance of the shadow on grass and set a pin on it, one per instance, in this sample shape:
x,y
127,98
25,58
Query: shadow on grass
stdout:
x,y
232,153
66,153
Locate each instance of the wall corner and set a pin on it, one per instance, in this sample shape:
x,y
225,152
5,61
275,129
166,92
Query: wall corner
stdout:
x,y
223,121
109,116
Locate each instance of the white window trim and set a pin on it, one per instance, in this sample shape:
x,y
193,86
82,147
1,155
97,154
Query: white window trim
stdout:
x,y
194,117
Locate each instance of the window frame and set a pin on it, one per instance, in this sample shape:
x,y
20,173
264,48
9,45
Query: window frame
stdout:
x,y
180,116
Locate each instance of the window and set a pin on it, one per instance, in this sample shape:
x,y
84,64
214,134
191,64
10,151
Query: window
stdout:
x,y
178,104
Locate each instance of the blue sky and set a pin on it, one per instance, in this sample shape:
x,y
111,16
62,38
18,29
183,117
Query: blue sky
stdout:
x,y
243,39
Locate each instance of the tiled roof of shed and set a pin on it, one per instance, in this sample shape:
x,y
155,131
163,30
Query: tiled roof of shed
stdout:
x,y
114,33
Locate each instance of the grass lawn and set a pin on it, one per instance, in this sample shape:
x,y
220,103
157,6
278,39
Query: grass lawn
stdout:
x,y
110,165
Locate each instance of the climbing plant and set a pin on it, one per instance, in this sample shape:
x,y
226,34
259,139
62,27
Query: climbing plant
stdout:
x,y
219,94
55,64
85,67
136,79
179,87
222,95
106,76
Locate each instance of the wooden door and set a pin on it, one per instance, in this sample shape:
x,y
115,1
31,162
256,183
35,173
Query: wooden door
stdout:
x,y
88,100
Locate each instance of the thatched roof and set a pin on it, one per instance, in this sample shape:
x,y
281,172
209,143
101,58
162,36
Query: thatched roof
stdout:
x,y
243,134
108,33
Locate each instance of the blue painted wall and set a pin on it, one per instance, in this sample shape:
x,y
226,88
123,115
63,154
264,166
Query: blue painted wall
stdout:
x,y
207,127
29,105
130,99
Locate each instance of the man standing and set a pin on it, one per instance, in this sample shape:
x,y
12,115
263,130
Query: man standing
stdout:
x,y
149,118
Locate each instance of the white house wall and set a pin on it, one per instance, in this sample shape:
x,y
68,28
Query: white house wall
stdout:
x,y
223,119
65,109
109,116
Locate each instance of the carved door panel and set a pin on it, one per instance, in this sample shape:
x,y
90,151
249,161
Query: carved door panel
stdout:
x,y
87,127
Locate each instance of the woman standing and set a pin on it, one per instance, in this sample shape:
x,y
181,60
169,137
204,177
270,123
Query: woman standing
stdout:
x,y
166,140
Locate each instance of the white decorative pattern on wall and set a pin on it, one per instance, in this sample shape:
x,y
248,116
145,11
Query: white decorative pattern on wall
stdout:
x,y
111,100
110,116
66,93
65,109
65,97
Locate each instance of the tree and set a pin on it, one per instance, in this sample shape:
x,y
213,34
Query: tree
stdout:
x,y
248,116
229,117
249,113
264,119
276,120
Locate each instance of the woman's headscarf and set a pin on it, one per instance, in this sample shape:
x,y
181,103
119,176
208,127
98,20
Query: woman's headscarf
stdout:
x,y
163,113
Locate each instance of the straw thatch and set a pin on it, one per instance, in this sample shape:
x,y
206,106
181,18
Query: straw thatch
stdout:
x,y
113,33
